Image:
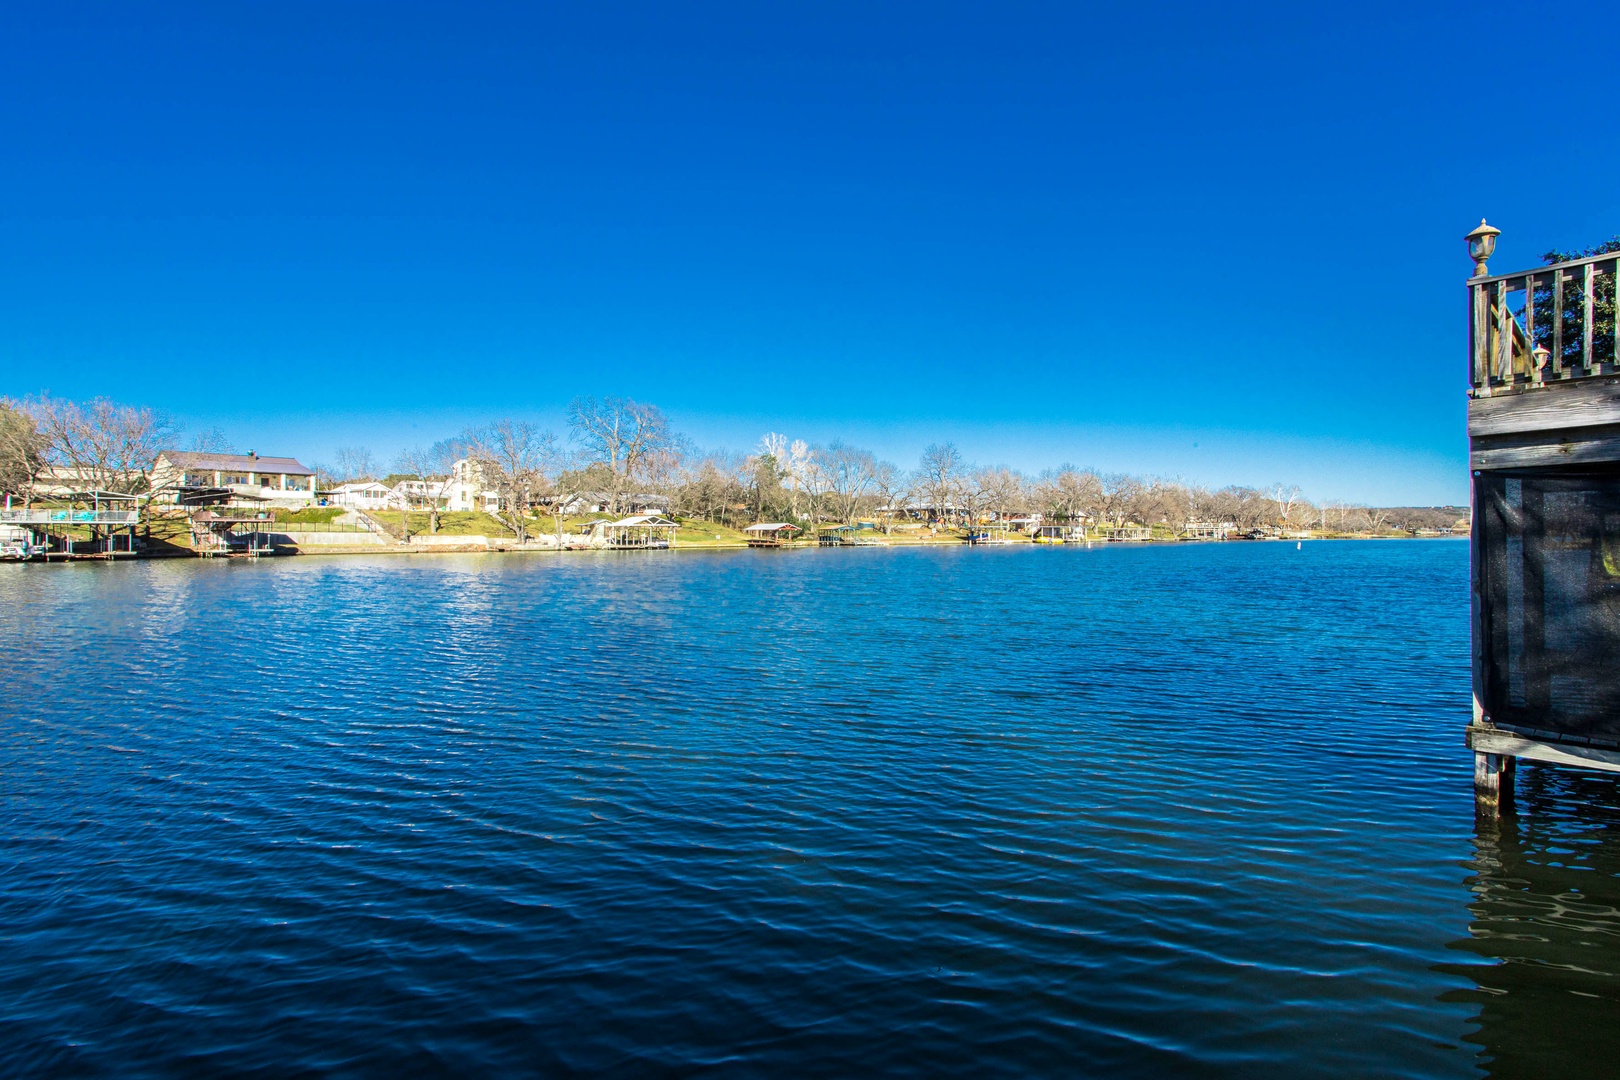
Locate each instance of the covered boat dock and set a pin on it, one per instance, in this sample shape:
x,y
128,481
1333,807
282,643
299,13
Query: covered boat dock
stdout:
x,y
770,534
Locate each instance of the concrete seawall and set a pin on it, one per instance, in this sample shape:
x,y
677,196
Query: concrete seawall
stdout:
x,y
326,539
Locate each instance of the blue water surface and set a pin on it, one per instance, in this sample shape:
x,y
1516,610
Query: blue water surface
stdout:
x,y
1195,810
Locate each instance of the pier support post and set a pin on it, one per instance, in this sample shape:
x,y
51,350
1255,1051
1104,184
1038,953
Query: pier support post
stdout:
x,y
1493,783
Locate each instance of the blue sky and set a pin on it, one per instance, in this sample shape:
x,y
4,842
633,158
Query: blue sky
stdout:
x,y
1221,242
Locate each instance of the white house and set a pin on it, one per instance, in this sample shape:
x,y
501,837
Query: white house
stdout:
x,y
419,494
362,495
599,502
466,490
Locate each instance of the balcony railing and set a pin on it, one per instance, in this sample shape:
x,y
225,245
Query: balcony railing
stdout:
x,y
1537,327
47,515
55,516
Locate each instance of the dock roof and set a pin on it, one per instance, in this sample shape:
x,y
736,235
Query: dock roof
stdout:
x,y
646,520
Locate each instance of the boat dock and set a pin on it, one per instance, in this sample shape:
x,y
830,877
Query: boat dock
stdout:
x,y
1544,453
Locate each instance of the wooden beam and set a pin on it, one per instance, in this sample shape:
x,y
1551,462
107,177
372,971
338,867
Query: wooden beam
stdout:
x,y
1483,740
1492,279
1586,403
1544,449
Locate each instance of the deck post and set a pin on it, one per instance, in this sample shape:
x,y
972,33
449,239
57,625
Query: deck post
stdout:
x,y
1493,783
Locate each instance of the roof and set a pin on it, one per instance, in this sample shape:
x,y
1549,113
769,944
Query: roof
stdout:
x,y
770,526
641,520
187,459
363,485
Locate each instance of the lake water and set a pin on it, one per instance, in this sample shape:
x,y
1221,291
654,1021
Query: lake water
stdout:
x,y
1198,810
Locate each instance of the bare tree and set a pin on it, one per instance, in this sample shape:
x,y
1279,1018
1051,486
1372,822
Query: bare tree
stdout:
x,y
1160,502
941,472
512,455
801,469
1198,504
1070,494
22,450
620,433
561,480
893,484
354,463
1285,496
431,465
999,490
100,444
1118,494
851,473
211,441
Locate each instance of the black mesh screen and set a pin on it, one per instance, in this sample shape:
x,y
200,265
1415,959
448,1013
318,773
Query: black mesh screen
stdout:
x,y
1551,585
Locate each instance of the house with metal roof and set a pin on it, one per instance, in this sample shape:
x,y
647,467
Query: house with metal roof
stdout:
x,y
249,477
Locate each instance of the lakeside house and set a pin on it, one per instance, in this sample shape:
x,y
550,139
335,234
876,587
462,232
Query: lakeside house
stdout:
x,y
466,489
360,495
601,502
419,494
249,477
924,509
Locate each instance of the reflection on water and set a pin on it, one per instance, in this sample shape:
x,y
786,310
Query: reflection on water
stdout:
x,y
1546,929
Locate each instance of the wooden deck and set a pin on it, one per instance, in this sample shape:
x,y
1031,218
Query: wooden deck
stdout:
x,y
1544,451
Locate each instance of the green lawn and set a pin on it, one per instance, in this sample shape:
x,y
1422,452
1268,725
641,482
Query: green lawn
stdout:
x,y
698,533
451,522
309,515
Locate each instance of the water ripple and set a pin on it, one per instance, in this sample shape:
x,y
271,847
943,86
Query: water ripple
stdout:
x,y
1196,810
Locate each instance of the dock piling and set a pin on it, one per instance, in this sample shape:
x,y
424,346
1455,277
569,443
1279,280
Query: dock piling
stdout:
x,y
1493,783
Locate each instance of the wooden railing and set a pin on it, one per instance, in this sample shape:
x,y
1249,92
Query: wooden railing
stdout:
x,y
1536,327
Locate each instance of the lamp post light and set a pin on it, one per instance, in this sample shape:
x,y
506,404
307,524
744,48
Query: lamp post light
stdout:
x,y
1481,244
1542,355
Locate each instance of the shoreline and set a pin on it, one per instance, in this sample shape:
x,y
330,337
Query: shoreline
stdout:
x,y
487,546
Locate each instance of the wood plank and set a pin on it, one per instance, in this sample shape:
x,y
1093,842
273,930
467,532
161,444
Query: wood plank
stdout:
x,y
1558,319
1536,453
1577,404
1476,598
1530,328
1484,740
1586,317
1504,340
1492,279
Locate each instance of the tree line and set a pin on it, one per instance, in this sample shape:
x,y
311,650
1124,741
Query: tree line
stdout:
x,y
623,452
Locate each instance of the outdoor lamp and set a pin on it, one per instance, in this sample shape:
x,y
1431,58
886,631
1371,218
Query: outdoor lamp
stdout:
x,y
1481,243
1542,355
